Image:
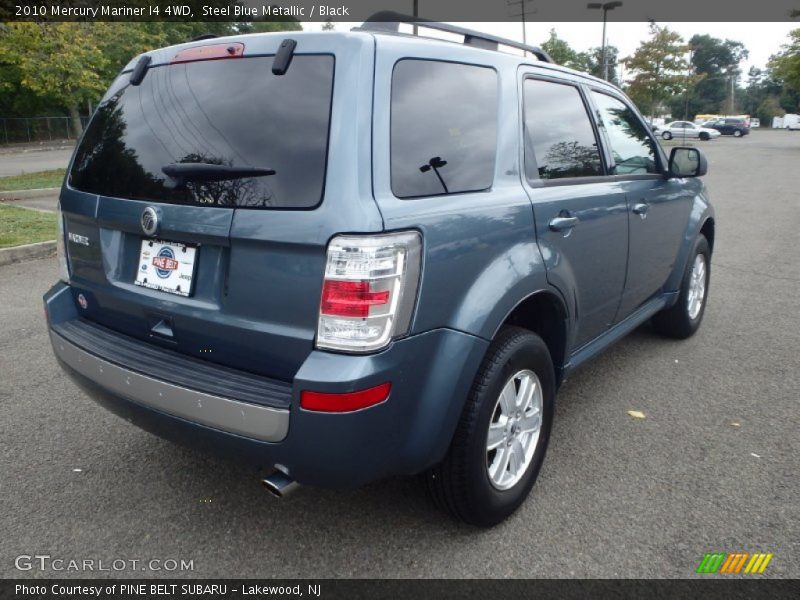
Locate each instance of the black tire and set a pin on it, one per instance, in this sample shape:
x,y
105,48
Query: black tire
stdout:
x,y
666,135
704,136
675,321
460,484
737,133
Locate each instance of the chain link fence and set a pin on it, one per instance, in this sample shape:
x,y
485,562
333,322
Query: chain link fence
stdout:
x,y
16,130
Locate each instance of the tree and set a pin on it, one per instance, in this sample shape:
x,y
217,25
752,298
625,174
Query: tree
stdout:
x,y
715,66
593,62
64,62
785,66
562,53
768,109
46,66
328,26
659,69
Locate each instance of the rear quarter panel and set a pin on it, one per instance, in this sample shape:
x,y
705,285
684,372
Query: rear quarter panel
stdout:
x,y
481,257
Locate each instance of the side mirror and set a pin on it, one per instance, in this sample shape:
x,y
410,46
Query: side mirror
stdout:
x,y
687,162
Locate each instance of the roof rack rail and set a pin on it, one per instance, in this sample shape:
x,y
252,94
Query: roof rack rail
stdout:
x,y
388,21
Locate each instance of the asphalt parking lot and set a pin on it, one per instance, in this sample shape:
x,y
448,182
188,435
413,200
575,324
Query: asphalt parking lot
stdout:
x,y
713,466
30,158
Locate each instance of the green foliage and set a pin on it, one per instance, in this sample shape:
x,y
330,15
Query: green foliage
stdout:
x,y
715,65
47,66
659,69
60,62
768,109
32,181
25,226
561,52
593,62
586,62
761,97
785,66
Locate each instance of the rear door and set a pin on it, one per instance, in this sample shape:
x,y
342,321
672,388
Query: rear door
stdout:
x,y
580,213
232,162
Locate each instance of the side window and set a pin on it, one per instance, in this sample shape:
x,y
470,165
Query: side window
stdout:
x,y
631,146
559,139
443,128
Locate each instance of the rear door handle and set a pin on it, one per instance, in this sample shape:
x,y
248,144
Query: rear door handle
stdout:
x,y
640,208
563,223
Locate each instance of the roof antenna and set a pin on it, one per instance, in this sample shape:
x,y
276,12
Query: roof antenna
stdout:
x,y
140,70
283,58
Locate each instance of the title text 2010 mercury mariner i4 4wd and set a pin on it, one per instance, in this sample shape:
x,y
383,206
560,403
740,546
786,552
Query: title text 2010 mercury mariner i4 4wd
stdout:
x,y
348,256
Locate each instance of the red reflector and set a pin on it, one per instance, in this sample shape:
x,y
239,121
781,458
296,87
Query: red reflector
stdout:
x,y
211,52
350,298
346,402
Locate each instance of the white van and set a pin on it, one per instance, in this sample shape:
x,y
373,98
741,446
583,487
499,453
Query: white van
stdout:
x,y
791,121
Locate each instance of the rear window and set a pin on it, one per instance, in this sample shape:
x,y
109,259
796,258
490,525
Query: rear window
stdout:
x,y
234,113
444,128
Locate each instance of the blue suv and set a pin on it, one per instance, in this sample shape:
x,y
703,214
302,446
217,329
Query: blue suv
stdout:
x,y
347,256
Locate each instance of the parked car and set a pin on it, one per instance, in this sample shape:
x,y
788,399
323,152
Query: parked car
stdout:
x,y
734,126
755,123
686,130
340,271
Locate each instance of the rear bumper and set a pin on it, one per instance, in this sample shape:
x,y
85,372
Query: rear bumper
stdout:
x,y
262,423
430,373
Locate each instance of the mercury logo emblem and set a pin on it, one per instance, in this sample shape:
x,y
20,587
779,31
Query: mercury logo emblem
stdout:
x,y
149,220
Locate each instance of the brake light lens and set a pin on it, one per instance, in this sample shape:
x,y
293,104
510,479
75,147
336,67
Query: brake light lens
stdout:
x,y
369,291
346,402
351,298
209,52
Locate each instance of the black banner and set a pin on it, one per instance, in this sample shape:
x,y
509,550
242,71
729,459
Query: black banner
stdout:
x,y
428,589
359,10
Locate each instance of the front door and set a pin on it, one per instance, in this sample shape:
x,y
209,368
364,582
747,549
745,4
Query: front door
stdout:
x,y
658,207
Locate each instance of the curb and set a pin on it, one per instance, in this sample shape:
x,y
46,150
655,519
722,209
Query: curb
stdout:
x,y
27,194
26,252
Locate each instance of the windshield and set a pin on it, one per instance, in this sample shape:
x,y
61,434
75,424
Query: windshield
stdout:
x,y
268,134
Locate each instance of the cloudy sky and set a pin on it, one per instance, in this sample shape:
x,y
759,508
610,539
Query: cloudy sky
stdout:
x,y
761,39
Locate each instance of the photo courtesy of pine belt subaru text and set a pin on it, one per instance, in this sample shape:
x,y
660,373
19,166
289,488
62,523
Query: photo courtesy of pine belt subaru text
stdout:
x,y
346,256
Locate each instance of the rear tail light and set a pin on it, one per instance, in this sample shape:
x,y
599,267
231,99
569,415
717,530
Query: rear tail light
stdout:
x,y
369,290
61,250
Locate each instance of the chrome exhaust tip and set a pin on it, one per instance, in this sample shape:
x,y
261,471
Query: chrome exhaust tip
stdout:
x,y
279,484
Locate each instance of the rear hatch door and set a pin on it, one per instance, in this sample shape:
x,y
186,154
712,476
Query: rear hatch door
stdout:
x,y
195,205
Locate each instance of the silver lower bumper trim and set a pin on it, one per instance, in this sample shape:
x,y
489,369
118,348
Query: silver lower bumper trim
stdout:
x,y
242,418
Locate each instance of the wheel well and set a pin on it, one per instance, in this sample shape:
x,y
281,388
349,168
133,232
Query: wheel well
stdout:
x,y
708,231
543,313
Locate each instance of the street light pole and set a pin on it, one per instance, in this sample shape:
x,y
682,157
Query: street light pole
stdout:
x,y
605,8
603,52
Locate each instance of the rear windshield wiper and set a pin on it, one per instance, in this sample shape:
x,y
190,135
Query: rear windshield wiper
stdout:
x,y
183,172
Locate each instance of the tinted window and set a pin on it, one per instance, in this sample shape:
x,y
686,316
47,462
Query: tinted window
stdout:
x,y
234,113
630,144
444,128
559,138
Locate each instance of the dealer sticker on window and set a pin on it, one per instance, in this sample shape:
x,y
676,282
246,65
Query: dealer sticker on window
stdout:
x,y
166,266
